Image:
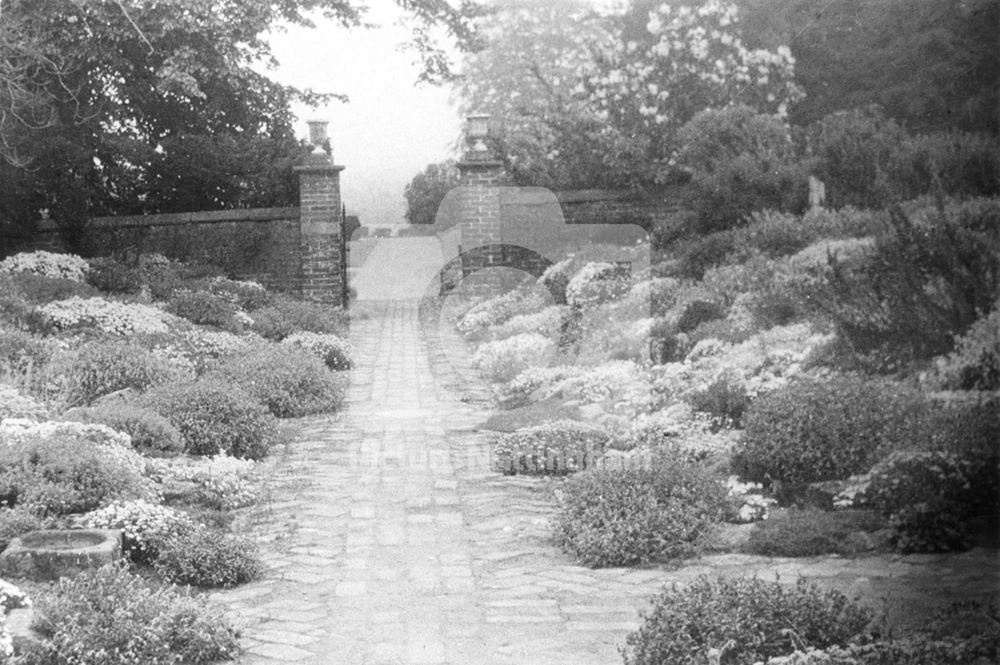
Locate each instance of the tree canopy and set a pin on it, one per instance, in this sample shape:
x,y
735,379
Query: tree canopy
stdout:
x,y
122,106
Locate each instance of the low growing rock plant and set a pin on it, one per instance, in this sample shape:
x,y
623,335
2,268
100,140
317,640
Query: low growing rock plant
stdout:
x,y
558,448
742,621
635,516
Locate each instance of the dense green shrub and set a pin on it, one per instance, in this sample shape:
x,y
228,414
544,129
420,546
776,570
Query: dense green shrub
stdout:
x,y
37,289
150,432
748,620
929,497
144,526
861,157
205,308
774,234
975,362
248,296
60,474
931,275
823,429
631,516
214,416
112,275
811,532
556,448
15,522
290,381
955,163
725,400
285,316
14,404
697,255
206,559
699,312
334,351
723,330
111,617
741,161
99,368
21,351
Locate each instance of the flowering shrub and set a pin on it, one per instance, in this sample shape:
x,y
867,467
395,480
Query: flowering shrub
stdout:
x,y
825,429
555,278
100,368
111,617
205,308
15,522
115,444
214,416
495,311
631,516
57,475
11,598
928,497
284,316
621,385
519,390
556,448
504,359
747,501
144,525
742,621
247,295
107,315
681,430
15,405
597,283
547,322
149,431
334,351
223,481
206,559
975,362
290,381
691,59
47,264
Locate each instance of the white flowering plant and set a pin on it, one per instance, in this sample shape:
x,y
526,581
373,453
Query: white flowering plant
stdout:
x,y
557,448
747,501
333,350
504,359
223,481
495,311
14,404
115,445
534,380
11,598
596,283
107,315
691,58
547,322
143,524
47,264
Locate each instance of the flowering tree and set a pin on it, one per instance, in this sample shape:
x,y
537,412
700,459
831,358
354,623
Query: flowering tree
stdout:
x,y
691,58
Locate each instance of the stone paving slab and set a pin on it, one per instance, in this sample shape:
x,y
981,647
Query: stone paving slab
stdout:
x,y
389,541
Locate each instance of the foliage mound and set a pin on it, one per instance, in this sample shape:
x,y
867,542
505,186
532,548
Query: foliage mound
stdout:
x,y
62,474
743,620
290,381
284,316
823,429
150,432
214,416
99,368
111,617
811,532
203,558
631,516
556,448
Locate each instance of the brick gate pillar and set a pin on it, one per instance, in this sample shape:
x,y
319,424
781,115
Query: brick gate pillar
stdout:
x,y
320,223
481,176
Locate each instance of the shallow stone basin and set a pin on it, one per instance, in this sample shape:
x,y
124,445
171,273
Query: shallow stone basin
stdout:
x,y
53,553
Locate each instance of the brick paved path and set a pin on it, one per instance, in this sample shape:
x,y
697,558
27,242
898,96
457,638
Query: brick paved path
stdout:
x,y
389,541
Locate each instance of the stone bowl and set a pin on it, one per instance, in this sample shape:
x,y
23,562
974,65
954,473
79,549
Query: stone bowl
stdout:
x,y
53,553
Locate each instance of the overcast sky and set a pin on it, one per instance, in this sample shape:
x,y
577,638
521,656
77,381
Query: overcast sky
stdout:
x,y
391,128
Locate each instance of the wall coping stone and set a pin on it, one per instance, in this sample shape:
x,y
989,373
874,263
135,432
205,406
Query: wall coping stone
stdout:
x,y
177,218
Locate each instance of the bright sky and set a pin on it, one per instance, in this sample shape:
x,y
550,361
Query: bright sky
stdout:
x,y
391,128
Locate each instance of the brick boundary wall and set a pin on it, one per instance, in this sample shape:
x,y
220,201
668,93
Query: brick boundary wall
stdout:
x,y
262,244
